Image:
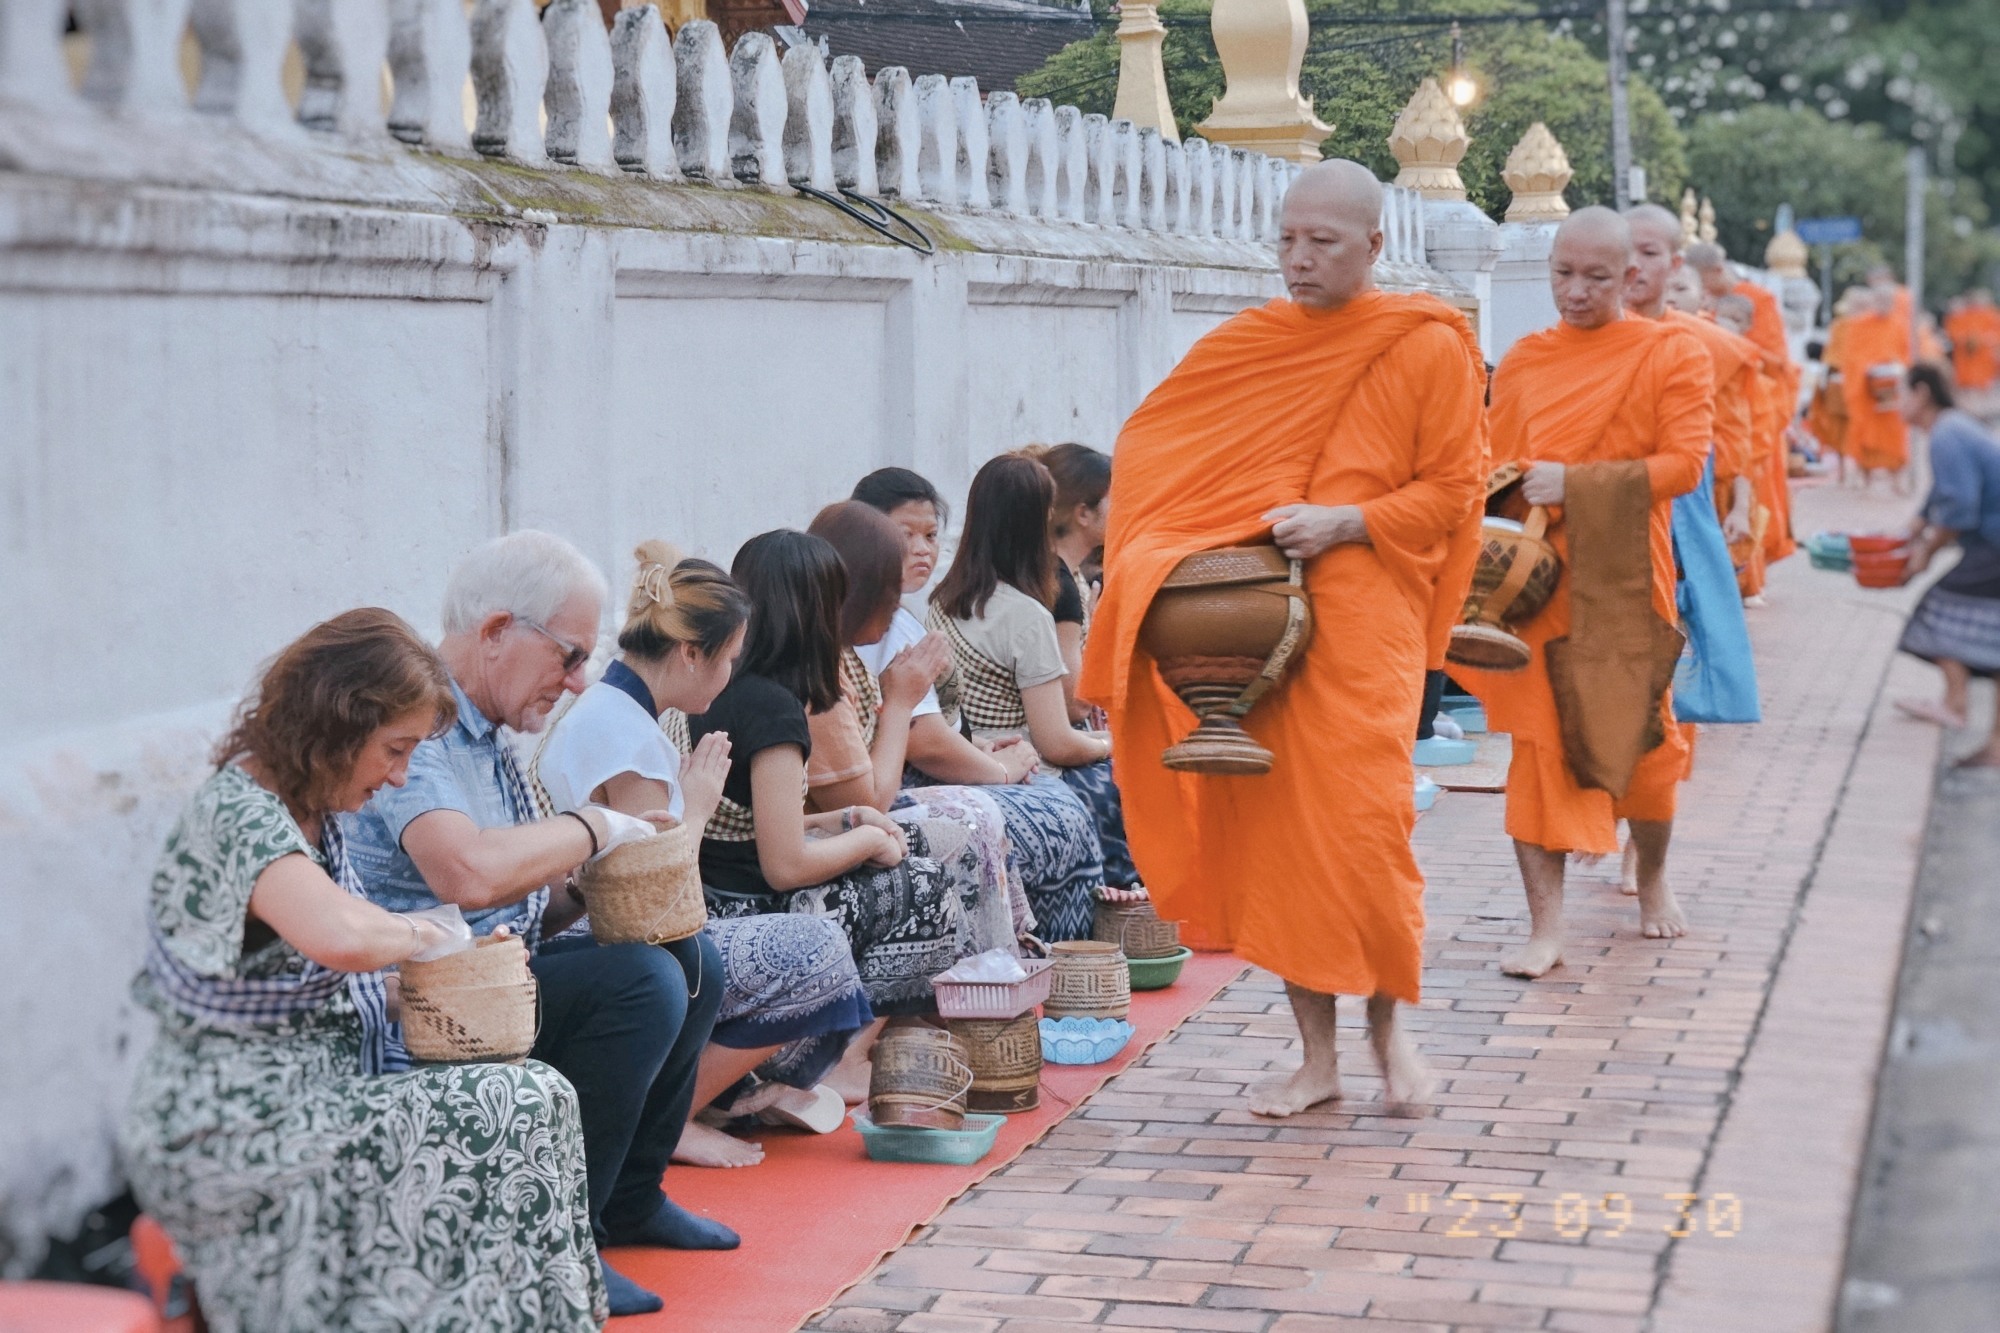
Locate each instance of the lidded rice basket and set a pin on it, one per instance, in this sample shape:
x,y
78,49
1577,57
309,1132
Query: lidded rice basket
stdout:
x,y
646,892
1091,981
1512,581
919,1078
1136,929
1006,1059
476,1006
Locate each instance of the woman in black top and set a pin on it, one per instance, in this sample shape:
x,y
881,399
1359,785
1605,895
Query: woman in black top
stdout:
x,y
1082,511
762,852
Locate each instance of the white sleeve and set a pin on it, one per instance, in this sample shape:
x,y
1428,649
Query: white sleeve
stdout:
x,y
904,630
604,734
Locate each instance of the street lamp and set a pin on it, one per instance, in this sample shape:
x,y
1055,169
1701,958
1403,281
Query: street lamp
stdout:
x,y
1461,88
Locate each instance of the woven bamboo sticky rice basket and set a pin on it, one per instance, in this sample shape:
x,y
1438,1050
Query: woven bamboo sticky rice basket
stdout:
x,y
646,892
919,1079
1137,929
476,1006
1091,981
1006,1059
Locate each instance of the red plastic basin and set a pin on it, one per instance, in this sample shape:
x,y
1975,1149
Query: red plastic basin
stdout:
x,y
63,1307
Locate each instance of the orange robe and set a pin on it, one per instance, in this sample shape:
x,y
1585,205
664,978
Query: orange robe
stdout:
x,y
1975,345
1830,405
1767,330
1635,389
1876,436
1306,870
1741,420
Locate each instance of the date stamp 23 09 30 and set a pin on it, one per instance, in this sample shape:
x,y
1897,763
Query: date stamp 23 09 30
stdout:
x,y
1505,1216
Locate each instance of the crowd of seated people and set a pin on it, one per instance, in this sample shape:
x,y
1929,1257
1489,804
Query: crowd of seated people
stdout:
x,y
875,799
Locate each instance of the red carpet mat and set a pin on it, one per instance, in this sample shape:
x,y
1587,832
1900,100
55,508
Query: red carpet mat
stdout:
x,y
816,1214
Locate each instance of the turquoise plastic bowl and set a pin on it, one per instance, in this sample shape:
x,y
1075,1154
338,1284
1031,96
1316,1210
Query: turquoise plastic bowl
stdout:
x,y
1158,973
1426,793
1083,1041
1472,720
936,1147
1439,752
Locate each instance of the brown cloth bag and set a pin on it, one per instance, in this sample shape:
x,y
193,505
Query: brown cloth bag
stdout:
x,y
1612,669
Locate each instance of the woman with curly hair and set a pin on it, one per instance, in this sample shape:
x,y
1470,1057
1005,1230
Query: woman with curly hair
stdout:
x,y
307,1182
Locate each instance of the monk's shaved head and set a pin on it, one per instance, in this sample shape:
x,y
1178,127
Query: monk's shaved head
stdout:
x,y
1656,256
1652,220
1711,262
1329,233
1590,265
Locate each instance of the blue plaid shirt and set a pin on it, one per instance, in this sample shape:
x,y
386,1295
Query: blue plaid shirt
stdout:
x,y
468,769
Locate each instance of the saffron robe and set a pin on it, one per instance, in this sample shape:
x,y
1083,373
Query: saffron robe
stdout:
x,y
1742,419
1633,389
1876,435
1306,870
1975,345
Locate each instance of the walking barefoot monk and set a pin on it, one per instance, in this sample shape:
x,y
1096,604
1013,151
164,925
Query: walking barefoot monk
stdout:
x,y
1612,416
1345,425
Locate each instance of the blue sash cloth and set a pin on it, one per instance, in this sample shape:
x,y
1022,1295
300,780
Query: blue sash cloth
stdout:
x,y
1716,678
246,1002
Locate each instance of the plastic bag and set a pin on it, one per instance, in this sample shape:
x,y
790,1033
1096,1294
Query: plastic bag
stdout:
x,y
449,919
1716,678
994,966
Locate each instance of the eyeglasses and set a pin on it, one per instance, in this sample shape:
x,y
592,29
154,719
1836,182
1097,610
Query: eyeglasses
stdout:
x,y
573,656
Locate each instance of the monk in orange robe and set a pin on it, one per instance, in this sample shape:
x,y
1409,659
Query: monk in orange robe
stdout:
x,y
1761,389
1598,387
1875,353
1767,331
1346,426
1974,328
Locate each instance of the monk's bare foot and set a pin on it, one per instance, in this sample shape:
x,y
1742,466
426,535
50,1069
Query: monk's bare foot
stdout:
x,y
1929,710
1660,915
1303,1090
1533,959
1407,1085
1628,875
702,1146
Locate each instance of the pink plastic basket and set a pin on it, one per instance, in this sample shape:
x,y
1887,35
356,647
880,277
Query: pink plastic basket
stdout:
x,y
988,999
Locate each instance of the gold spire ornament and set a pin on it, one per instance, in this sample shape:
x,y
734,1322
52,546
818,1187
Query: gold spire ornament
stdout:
x,y
1786,255
1708,220
1142,73
1429,141
1690,230
1262,44
1536,172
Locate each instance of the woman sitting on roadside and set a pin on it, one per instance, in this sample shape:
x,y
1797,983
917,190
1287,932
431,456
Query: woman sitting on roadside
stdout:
x,y
1052,848
859,744
305,1185
762,852
791,997
1082,511
993,606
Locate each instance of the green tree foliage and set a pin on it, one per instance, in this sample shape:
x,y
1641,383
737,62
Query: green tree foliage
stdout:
x,y
1751,161
1361,76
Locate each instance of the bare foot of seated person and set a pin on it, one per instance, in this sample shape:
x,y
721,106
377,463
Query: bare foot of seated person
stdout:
x,y
704,1145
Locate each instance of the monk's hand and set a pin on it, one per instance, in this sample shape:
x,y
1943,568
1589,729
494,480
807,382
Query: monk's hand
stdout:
x,y
1304,531
1543,485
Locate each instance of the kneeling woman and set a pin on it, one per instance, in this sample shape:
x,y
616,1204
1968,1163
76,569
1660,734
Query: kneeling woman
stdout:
x,y
300,1182
994,606
762,852
791,998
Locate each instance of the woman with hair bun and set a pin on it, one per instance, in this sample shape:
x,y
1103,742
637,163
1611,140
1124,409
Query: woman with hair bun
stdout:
x,y
1082,513
294,1161
792,999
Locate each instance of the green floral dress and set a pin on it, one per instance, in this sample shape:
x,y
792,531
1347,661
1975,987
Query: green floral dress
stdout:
x,y
303,1194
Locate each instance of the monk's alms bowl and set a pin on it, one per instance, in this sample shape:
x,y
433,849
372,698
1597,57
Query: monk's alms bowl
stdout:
x,y
1512,582
1221,622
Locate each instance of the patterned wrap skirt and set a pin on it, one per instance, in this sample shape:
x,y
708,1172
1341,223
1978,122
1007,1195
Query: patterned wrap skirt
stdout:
x,y
304,1195
1958,620
1093,782
1052,848
962,829
788,981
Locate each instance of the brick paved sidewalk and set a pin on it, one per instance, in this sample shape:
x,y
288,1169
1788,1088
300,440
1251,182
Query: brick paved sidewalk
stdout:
x,y
1602,1155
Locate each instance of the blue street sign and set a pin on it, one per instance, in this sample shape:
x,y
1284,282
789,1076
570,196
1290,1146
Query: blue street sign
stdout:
x,y
1829,231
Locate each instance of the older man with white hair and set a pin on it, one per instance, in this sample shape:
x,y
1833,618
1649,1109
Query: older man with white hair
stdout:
x,y
625,1023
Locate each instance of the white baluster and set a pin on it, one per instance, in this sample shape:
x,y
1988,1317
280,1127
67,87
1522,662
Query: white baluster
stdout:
x,y
1007,154
135,53
1038,119
1175,216
937,127
242,58
1152,180
430,54
1245,223
343,43
757,121
1199,163
1392,226
1127,206
808,118
703,102
32,68
968,113
1261,209
854,138
897,134
1100,171
1223,190
642,94
1072,165
510,67
578,97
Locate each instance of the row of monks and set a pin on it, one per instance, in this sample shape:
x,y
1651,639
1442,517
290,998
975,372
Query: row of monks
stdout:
x,y
1356,430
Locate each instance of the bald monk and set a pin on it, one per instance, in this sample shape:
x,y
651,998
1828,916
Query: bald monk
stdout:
x,y
1345,425
1974,328
1684,291
1765,391
1875,353
1597,388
